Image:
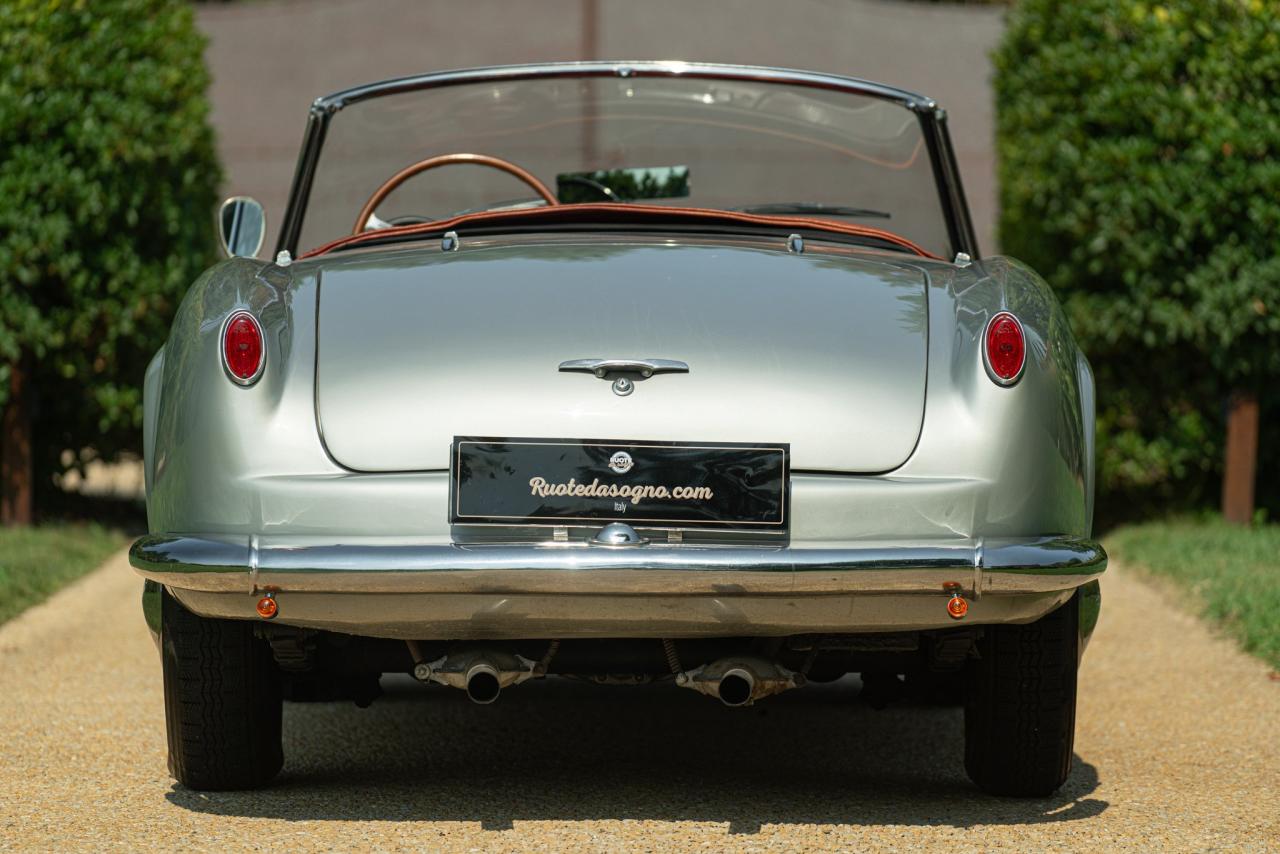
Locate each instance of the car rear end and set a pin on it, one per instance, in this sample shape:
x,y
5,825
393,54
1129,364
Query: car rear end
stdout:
x,y
392,468
864,496
737,456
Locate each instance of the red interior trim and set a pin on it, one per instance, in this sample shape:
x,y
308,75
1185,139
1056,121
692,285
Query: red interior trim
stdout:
x,y
621,214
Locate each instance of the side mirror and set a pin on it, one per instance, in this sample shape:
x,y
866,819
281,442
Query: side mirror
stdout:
x,y
242,224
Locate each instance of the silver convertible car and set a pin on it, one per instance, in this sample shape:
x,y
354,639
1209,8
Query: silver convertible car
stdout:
x,y
628,372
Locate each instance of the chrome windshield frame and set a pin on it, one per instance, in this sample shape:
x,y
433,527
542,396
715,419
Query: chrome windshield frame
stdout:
x,y
932,119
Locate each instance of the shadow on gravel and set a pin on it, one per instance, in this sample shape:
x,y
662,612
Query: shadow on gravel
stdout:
x,y
560,750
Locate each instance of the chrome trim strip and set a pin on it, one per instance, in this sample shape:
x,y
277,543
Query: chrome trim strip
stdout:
x,y
978,559
253,561
575,568
613,68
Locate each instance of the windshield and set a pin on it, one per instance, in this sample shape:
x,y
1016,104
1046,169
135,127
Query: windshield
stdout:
x,y
732,144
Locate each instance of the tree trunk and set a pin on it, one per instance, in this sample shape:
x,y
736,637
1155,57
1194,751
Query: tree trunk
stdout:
x,y
15,453
1241,467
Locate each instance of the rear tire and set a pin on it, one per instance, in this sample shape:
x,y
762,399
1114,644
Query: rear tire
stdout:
x,y
1020,705
222,701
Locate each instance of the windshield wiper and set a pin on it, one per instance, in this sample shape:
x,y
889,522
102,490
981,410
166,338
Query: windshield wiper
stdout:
x,y
812,208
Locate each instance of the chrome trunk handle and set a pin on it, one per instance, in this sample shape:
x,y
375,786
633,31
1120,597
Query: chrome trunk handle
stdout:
x,y
644,367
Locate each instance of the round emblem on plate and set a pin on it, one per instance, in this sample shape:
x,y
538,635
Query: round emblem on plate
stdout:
x,y
621,462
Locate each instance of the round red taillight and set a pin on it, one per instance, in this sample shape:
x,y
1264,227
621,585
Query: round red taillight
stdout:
x,y
242,347
1006,348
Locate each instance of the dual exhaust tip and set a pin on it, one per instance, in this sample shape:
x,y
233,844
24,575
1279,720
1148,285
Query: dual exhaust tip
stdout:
x,y
740,681
481,673
736,687
483,684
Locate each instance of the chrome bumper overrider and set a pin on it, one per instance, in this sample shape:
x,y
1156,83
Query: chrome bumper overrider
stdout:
x,y
451,590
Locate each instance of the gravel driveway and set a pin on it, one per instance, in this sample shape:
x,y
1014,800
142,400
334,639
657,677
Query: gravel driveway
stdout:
x,y
1178,747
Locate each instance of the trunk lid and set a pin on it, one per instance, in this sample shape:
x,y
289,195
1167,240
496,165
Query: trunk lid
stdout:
x,y
824,351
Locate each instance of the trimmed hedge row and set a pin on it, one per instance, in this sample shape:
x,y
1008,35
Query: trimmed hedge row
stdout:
x,y
1139,148
109,181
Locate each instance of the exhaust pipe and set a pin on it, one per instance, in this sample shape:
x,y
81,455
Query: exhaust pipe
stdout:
x,y
740,681
483,684
482,673
736,687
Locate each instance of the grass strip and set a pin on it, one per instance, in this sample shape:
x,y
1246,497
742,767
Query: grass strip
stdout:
x,y
36,561
1231,573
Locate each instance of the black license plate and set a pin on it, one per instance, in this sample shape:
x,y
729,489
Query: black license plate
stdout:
x,y
656,484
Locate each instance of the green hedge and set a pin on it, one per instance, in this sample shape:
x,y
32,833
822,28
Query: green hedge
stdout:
x,y
108,178
1139,148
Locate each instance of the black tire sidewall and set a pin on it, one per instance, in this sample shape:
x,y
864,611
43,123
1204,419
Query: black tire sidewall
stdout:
x,y
1020,705
223,701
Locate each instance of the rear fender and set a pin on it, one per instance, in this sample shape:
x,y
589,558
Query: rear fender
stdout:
x,y
205,425
1029,444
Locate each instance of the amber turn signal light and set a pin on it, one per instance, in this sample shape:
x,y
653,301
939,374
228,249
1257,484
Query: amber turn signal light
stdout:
x,y
957,606
267,607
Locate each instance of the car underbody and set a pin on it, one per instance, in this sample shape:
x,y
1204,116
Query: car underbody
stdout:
x,y
317,665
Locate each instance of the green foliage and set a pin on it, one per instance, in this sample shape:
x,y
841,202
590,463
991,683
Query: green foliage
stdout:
x,y
628,185
35,562
1230,571
1139,153
108,177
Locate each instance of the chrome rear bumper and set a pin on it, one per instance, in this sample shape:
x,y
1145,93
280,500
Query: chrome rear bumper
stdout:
x,y
250,564
572,589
